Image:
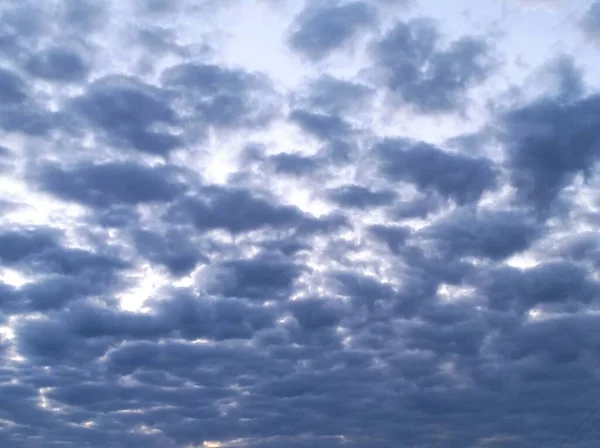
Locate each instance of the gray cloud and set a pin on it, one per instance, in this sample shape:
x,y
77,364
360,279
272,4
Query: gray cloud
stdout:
x,y
590,24
421,73
461,178
320,29
345,280
125,111
548,143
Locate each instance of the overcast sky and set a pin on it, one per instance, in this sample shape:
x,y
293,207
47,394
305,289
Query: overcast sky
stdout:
x,y
288,223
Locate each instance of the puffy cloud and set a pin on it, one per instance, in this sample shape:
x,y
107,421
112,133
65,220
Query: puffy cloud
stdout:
x,y
590,24
261,278
172,250
224,98
354,196
293,164
201,245
421,73
558,283
461,178
20,112
332,95
221,208
58,64
320,125
320,29
126,110
549,142
108,184
487,234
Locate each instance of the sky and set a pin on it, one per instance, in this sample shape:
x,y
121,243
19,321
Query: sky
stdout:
x,y
288,223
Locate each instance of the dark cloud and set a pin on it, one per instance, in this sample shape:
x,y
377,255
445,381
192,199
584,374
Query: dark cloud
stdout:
x,y
263,278
19,111
193,316
55,292
13,88
334,96
49,342
5,152
18,244
224,98
581,247
320,125
89,321
362,289
58,64
9,303
590,23
393,236
22,25
419,207
555,284
293,164
320,29
563,341
127,111
41,249
461,178
173,250
549,142
82,15
356,196
420,72
109,184
566,78
484,234
66,274
398,317
221,208
313,314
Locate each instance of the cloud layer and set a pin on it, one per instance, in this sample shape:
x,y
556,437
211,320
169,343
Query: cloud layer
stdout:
x,y
379,243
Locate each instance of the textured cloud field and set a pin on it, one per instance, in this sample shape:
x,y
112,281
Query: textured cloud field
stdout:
x,y
278,223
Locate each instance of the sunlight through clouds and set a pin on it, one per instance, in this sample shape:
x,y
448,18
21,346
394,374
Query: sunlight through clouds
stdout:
x,y
290,223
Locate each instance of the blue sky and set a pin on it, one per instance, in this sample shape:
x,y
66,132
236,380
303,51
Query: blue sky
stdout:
x,y
287,223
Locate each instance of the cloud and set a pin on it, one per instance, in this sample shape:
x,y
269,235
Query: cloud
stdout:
x,y
548,142
321,126
224,98
293,164
590,23
393,236
495,235
313,314
125,110
354,196
58,64
422,74
20,112
461,178
221,208
394,250
559,283
333,96
173,250
108,184
321,29
13,88
261,278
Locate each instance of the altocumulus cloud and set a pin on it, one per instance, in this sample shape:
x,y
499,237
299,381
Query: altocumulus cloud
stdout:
x,y
298,223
